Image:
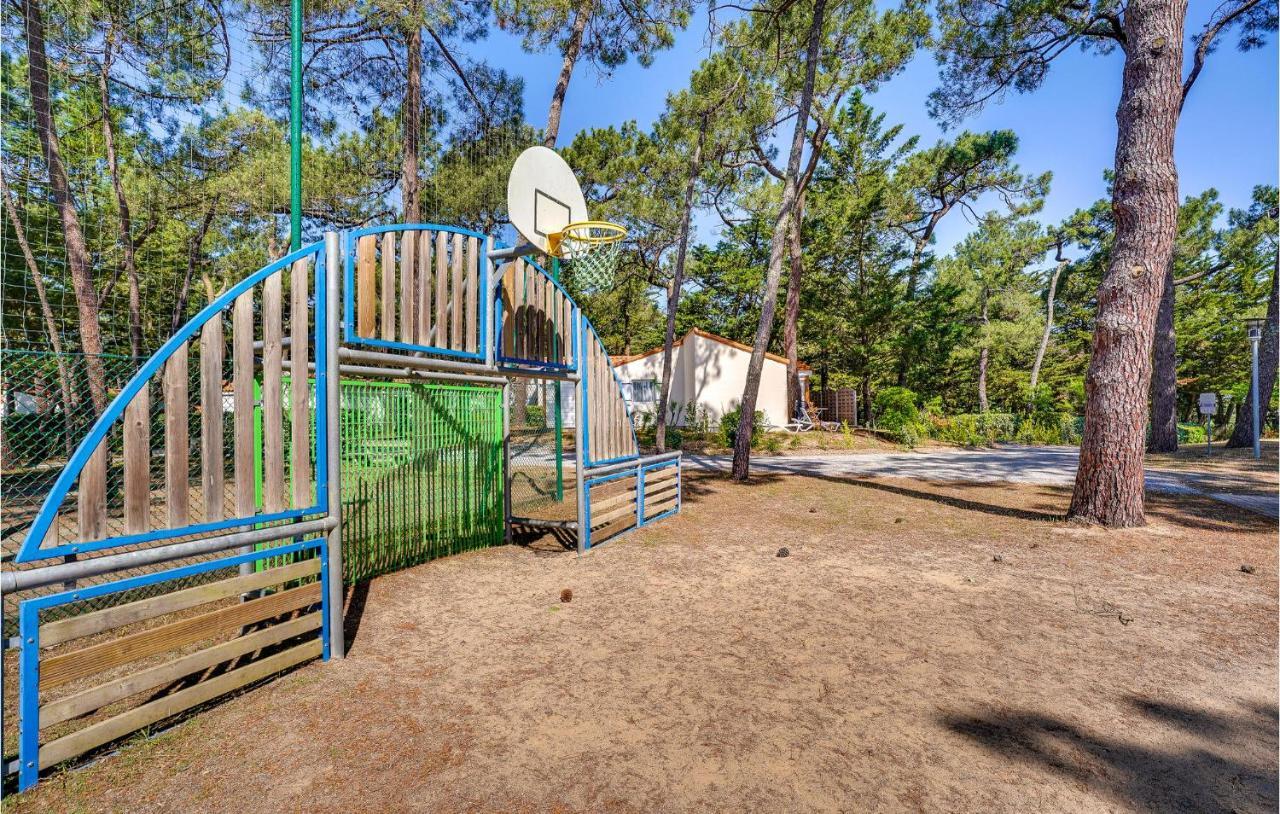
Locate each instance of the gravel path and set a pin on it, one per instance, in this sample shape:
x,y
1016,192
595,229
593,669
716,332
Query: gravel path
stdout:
x,y
1011,464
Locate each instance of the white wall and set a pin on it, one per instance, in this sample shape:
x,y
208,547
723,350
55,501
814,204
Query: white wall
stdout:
x,y
713,374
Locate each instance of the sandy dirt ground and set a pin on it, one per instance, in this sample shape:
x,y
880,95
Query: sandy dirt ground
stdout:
x,y
924,647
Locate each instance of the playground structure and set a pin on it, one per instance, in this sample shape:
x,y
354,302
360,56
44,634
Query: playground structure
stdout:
x,y
368,427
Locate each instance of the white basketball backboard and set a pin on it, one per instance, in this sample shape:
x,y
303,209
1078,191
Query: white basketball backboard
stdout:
x,y
543,195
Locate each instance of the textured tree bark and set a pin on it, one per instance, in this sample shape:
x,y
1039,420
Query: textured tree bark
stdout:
x,y
1109,481
673,294
411,122
571,50
1048,321
122,202
791,313
1164,374
1268,358
73,234
984,357
777,247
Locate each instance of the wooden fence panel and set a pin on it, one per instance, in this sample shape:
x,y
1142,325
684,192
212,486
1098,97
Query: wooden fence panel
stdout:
x,y
300,387
273,395
177,453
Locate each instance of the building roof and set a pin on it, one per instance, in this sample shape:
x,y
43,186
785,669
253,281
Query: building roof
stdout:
x,y
622,360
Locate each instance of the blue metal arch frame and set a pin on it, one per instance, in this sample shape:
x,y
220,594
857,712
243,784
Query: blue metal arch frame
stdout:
x,y
32,549
349,301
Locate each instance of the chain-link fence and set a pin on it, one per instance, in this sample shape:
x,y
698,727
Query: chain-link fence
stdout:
x,y
541,449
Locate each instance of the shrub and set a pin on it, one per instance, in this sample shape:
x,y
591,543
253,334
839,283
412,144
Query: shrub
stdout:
x,y
1191,433
771,442
729,427
897,414
535,415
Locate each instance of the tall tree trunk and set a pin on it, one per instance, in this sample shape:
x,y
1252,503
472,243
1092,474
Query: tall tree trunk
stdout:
x,y
1268,357
122,201
1164,374
46,312
677,282
572,48
914,273
1048,322
1109,480
791,314
777,248
411,121
984,357
77,253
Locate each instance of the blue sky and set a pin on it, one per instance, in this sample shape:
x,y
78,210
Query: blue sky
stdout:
x,y
1227,137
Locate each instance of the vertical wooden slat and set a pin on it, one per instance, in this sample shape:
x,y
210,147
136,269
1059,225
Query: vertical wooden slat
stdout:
x,y
439,328
566,329
389,286
242,383
91,496
508,309
299,387
538,316
472,314
522,314
177,455
455,295
211,465
137,462
548,324
408,289
272,395
366,251
425,327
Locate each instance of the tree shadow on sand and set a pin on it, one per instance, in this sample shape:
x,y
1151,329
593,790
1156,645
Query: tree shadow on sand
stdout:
x,y
1232,767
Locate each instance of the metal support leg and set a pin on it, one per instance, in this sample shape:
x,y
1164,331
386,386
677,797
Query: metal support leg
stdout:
x,y
333,402
580,435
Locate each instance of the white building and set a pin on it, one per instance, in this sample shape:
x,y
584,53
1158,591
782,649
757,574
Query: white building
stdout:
x,y
708,371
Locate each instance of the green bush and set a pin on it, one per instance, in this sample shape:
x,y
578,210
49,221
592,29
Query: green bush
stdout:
x,y
729,427
897,414
1191,433
535,415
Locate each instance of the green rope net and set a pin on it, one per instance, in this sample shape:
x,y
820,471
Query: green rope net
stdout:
x,y
593,267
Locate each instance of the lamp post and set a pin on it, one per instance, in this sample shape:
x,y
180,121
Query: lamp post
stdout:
x,y
1254,327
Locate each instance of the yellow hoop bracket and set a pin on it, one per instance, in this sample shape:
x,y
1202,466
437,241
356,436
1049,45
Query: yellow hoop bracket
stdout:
x,y
588,233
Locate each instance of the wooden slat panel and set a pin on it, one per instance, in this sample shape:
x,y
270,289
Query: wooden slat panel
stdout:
x,y
273,394
426,284
508,309
98,697
667,490
439,326
211,464
91,496
299,387
654,476
614,514
137,462
64,630
67,667
242,382
539,314
472,313
606,503
106,731
660,506
177,439
566,328
366,294
456,291
388,305
408,286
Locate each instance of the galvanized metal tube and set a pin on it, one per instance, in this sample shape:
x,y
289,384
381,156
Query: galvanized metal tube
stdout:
x,y
609,469
533,373
371,357
506,462
82,569
333,402
406,373
513,252
579,436
538,522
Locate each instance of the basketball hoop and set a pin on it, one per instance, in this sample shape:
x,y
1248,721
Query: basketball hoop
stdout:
x,y
591,250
